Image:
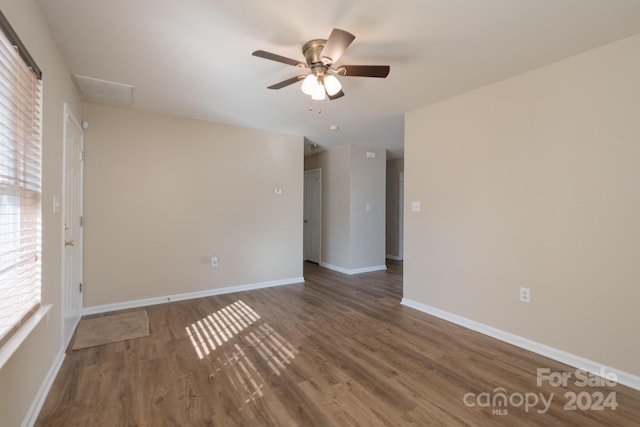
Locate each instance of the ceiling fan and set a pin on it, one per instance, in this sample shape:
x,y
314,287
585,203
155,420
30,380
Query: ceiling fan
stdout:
x,y
320,56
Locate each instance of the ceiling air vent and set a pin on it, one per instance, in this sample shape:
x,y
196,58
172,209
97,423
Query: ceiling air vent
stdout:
x,y
104,91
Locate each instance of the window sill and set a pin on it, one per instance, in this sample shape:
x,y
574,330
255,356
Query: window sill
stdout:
x,y
16,340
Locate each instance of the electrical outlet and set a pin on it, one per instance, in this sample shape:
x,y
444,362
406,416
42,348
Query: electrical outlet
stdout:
x,y
525,295
214,261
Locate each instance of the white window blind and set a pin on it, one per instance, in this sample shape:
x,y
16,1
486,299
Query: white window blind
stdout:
x,y
20,184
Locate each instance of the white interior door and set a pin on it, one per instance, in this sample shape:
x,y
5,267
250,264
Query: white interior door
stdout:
x,y
312,214
72,225
401,217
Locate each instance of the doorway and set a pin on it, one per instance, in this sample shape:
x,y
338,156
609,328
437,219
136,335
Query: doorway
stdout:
x,y
312,215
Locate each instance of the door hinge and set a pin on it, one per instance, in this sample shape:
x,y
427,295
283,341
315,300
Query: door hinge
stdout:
x,y
81,221
81,155
80,287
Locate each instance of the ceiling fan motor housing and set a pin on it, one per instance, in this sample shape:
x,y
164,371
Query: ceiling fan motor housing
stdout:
x,y
311,51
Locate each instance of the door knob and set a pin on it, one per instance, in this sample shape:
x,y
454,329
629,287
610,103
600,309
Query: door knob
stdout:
x,y
69,243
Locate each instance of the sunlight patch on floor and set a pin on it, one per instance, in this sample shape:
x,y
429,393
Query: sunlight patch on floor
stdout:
x,y
272,347
213,333
214,330
245,377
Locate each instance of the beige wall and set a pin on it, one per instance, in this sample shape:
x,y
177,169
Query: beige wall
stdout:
x,y
394,167
335,202
163,194
352,237
533,182
24,373
367,213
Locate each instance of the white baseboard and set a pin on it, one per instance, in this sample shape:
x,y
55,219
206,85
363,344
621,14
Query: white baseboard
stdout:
x,y
353,271
579,362
190,295
67,340
395,257
32,416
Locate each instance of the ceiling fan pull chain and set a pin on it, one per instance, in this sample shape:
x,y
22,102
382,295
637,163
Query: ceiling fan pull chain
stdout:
x,y
319,106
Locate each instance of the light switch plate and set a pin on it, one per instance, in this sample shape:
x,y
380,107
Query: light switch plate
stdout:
x,y
416,206
56,205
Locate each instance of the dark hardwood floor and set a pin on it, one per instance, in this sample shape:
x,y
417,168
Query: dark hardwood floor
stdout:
x,y
336,350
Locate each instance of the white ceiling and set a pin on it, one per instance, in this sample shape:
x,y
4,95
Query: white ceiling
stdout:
x,y
193,57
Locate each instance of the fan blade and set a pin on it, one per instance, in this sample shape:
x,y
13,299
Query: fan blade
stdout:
x,y
337,43
287,82
364,70
336,96
273,57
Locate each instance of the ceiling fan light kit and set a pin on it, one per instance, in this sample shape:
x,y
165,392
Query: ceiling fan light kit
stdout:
x,y
332,85
309,84
318,92
320,56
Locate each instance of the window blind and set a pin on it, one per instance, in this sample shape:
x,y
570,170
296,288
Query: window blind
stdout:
x,y
20,183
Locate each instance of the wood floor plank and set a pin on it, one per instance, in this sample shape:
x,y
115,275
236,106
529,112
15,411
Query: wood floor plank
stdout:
x,y
335,351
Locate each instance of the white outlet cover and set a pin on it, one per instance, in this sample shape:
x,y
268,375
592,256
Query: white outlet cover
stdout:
x,y
416,206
